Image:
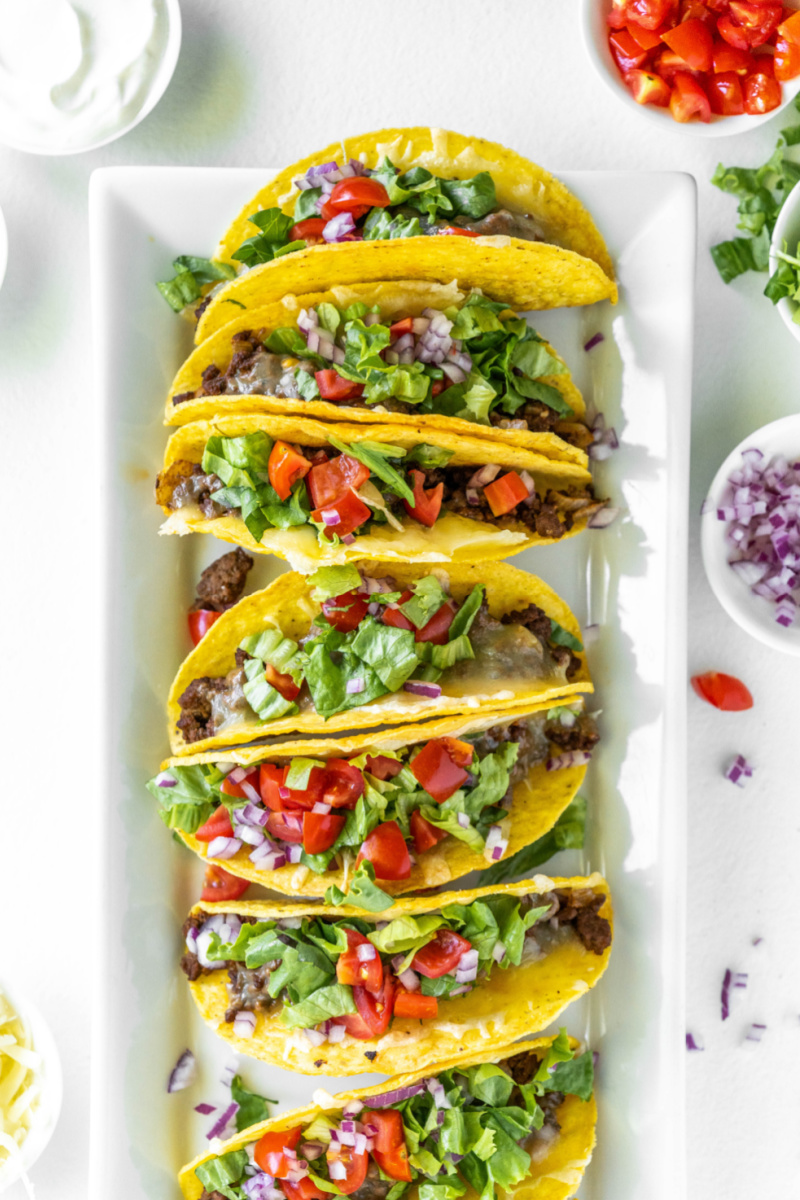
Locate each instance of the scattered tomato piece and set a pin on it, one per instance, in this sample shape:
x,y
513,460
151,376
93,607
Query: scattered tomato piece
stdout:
x,y
723,691
200,621
219,884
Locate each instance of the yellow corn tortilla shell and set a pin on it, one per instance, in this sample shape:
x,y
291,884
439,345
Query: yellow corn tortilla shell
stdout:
x,y
554,1174
453,538
395,300
503,1008
287,605
538,802
571,267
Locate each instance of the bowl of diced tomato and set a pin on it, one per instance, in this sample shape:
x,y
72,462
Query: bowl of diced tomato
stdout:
x,y
709,67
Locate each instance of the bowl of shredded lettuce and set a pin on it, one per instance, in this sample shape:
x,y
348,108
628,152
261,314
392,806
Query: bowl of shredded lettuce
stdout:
x,y
784,262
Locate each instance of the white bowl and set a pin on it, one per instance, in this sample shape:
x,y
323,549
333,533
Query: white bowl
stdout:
x,y
46,1114
753,613
595,37
787,229
158,85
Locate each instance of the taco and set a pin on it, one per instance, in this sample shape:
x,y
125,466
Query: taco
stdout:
x,y
511,1122
422,804
387,205
328,990
385,649
412,353
318,494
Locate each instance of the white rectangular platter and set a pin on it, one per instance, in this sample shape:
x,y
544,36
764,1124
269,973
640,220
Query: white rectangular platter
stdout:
x,y
630,579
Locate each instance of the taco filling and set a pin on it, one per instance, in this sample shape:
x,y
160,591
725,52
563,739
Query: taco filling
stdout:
x,y
379,808
348,489
481,1126
354,203
333,978
480,363
371,639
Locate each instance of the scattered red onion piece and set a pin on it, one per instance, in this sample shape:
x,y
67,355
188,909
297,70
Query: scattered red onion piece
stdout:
x,y
739,771
691,1043
183,1073
222,1121
419,688
757,941
205,1109
725,995
603,517
755,1032
594,341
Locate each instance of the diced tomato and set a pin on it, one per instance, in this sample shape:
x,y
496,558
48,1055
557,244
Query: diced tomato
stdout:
x,y
386,849
424,834
270,780
763,19
357,196
648,88
426,506
650,14
462,753
320,831
731,58
618,17
790,28
668,64
415,1005
437,629
329,480
626,50
401,327
350,511
235,789
307,797
304,1189
376,1010
693,42
219,884
648,39
439,385
389,1149
694,9
440,955
284,684
762,93
343,785
286,826
396,618
723,691
725,94
345,612
734,34
285,467
354,1167
786,62
333,386
505,493
383,767
350,969
355,1026
217,825
688,99
435,769
309,231
200,621
269,1151
457,231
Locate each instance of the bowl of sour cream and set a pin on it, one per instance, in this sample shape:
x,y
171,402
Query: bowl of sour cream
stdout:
x,y
76,75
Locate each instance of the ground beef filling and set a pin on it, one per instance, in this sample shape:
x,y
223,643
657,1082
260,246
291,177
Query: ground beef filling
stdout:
x,y
222,584
533,736
210,702
575,908
549,516
522,1068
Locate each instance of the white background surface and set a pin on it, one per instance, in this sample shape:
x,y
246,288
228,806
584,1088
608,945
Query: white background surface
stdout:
x,y
264,83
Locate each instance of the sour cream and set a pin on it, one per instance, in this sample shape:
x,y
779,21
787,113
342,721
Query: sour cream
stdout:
x,y
76,75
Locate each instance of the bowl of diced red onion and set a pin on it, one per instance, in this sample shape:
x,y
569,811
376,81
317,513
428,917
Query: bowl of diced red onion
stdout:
x,y
751,535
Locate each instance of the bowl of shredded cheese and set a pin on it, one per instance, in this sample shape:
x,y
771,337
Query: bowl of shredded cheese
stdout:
x,y
30,1087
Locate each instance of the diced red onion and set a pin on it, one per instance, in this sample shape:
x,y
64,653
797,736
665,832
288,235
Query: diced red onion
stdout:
x,y
463,820
725,995
473,495
337,1169
320,807
315,1036
387,1099
260,1187
603,517
572,758
354,686
346,1137
691,1044
527,479
312,339
224,847
594,341
336,1033
250,834
409,980
419,688
366,952
164,779
238,774
272,860
253,814
222,1121
244,1024
204,1109
312,1150
454,373
498,952
484,475
294,850
352,1109
496,844
191,940
348,539
339,227
462,990
739,771
183,1073
436,1089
